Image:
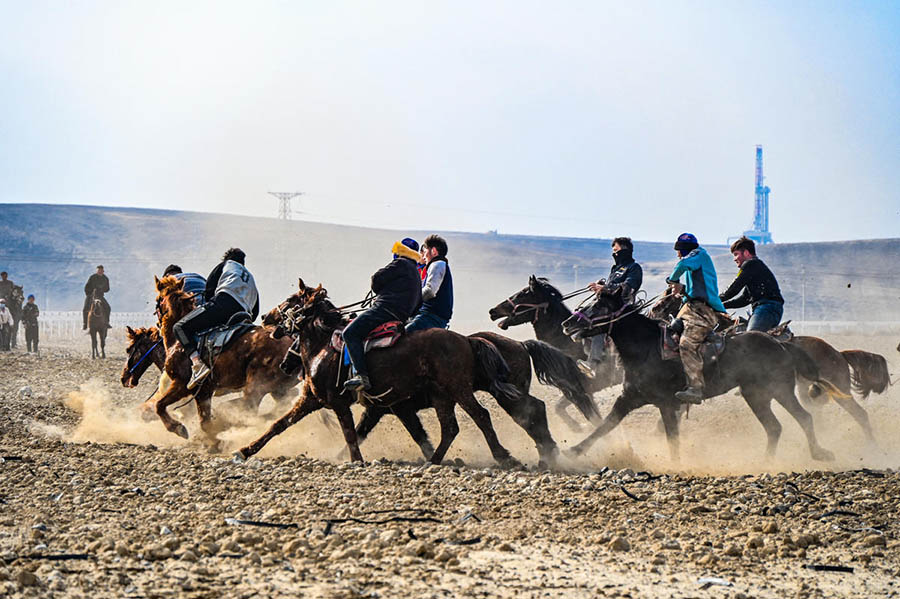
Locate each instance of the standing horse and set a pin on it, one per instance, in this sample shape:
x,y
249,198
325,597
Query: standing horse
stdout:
x,y
762,367
249,363
541,304
98,326
435,362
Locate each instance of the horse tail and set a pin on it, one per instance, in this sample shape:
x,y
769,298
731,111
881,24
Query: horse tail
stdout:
x,y
868,371
556,369
492,369
806,367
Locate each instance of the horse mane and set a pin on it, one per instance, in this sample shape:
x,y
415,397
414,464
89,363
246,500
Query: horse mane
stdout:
x,y
549,288
134,334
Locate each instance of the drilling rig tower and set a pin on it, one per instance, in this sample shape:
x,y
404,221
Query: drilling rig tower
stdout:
x,y
760,229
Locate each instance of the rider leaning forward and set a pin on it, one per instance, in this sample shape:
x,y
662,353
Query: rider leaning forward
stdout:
x,y
230,288
701,303
398,293
754,285
625,274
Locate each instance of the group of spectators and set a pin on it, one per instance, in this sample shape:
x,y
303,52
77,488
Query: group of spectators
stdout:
x,y
13,312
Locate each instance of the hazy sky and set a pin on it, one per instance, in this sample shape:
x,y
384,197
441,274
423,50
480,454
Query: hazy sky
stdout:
x,y
554,118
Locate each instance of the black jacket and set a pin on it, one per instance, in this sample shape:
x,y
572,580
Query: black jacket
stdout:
x,y
398,288
628,274
30,313
98,282
755,283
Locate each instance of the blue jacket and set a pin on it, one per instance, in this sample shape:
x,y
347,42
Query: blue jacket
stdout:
x,y
194,284
700,278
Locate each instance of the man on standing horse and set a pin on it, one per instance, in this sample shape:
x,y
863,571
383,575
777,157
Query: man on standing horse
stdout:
x,y
437,288
754,285
625,274
230,288
100,283
398,293
701,303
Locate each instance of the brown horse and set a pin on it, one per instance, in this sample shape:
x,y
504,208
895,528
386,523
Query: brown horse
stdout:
x,y
551,366
437,363
840,372
145,347
249,363
98,327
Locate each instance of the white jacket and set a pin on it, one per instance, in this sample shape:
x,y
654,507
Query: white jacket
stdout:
x,y
5,316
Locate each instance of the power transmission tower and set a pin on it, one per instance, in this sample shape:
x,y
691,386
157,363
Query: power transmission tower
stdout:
x,y
284,202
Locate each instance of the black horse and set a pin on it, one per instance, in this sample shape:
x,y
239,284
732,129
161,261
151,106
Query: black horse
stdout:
x,y
98,327
762,367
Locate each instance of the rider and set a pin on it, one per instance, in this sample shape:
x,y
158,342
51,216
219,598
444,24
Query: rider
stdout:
x,y
754,285
437,288
701,302
6,286
230,289
100,283
398,293
194,283
625,274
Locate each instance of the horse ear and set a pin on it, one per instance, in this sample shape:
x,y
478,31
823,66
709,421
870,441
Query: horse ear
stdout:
x,y
532,281
129,331
158,283
300,284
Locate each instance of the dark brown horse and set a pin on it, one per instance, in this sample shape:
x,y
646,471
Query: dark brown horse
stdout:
x,y
250,363
840,372
98,327
436,363
762,367
541,305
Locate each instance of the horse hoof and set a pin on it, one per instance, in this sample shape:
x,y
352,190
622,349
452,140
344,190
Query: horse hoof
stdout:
x,y
573,453
182,431
823,455
511,463
239,457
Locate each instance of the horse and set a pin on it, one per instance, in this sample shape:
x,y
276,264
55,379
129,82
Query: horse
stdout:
x,y
541,304
551,366
14,305
98,326
762,367
841,372
438,363
145,347
249,363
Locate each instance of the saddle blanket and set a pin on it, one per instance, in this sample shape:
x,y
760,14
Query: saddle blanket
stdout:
x,y
214,341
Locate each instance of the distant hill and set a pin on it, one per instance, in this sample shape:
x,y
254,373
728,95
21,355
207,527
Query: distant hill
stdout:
x,y
52,250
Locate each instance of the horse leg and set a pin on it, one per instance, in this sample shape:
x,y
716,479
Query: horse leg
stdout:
x,y
669,415
560,409
103,344
204,411
93,344
785,396
482,419
305,404
859,414
449,427
406,413
761,406
531,414
174,393
623,405
345,418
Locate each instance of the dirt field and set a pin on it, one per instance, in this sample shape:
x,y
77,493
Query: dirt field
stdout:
x,y
147,514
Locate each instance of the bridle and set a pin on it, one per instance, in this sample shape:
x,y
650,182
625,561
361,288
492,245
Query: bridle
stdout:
x,y
144,357
608,319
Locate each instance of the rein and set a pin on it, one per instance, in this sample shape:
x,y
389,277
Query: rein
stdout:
x,y
609,319
154,346
543,306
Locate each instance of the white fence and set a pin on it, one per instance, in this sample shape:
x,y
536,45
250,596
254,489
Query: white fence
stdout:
x,y
67,325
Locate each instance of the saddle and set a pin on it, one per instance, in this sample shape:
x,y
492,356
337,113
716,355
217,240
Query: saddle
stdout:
x,y
215,340
711,349
782,332
383,336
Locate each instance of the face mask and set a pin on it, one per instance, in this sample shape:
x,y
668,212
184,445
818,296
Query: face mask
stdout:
x,y
622,256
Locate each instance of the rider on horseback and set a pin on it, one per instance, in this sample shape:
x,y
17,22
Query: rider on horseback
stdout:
x,y
99,283
757,288
398,293
437,288
625,274
194,283
230,289
701,302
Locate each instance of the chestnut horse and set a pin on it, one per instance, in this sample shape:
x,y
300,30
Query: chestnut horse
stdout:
x,y
436,362
145,347
249,363
97,325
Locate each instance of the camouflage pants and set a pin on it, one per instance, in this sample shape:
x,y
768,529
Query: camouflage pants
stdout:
x,y
699,319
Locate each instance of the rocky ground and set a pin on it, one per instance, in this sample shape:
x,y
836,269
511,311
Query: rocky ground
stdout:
x,y
95,502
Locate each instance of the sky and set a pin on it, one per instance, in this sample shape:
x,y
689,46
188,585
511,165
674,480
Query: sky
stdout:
x,y
587,119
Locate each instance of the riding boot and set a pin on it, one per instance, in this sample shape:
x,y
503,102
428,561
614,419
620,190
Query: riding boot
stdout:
x,y
199,371
360,381
691,395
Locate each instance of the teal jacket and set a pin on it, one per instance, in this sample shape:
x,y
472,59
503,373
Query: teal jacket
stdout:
x,y
700,280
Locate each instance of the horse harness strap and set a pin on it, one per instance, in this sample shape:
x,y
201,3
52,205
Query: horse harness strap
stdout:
x,y
144,357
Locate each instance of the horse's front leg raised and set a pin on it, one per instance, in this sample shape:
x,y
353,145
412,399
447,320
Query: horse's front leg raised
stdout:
x,y
175,392
305,404
623,405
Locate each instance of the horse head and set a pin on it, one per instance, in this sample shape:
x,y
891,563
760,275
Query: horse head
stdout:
x,y
312,323
140,342
172,301
595,318
527,304
18,295
277,316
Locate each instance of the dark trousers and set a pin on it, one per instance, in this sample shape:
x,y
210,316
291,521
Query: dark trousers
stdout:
x,y
5,333
355,334
87,308
215,312
31,336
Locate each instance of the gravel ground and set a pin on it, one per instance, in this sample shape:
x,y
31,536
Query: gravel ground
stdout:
x,y
142,513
